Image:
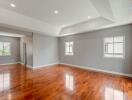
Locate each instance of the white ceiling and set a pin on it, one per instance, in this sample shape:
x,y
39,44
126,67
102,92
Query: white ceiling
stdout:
x,y
38,15
70,11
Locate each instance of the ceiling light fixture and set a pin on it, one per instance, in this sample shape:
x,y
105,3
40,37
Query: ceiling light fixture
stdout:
x,y
12,5
63,26
89,17
56,11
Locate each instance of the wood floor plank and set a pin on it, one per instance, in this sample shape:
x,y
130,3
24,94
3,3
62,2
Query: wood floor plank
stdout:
x,y
61,82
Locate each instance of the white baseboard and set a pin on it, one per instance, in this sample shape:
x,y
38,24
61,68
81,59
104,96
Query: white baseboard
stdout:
x,y
10,63
41,66
29,66
99,70
71,65
47,65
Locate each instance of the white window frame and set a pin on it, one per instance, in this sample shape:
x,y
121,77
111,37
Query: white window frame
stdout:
x,y
69,46
3,44
114,55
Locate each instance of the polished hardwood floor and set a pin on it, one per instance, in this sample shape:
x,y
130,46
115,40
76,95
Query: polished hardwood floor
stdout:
x,y
61,82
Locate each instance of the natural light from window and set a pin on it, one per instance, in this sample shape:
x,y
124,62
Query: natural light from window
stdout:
x,y
5,49
4,81
114,47
69,81
69,48
113,94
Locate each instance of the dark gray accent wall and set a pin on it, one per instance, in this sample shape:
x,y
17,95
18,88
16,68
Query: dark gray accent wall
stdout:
x,y
15,50
89,50
45,50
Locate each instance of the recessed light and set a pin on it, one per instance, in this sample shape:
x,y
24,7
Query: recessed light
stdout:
x,y
89,17
63,26
12,5
56,11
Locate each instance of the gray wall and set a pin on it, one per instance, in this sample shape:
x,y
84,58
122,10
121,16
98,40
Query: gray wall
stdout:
x,y
27,38
15,50
45,50
29,44
89,49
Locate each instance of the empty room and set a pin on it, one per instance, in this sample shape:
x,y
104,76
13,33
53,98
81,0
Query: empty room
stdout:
x,y
65,49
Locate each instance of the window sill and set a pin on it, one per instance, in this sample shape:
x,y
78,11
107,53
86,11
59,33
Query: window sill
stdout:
x,y
6,56
68,54
114,57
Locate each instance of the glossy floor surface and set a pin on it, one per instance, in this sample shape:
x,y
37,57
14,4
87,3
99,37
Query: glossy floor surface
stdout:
x,y
61,83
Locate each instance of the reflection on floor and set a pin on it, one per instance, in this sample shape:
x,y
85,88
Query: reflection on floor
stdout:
x,y
69,82
4,81
113,94
61,82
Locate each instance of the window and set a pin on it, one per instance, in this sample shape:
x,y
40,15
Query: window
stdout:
x,y
68,48
5,49
114,46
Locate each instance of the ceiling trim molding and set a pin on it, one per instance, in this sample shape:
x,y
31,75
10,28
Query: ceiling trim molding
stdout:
x,y
12,19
